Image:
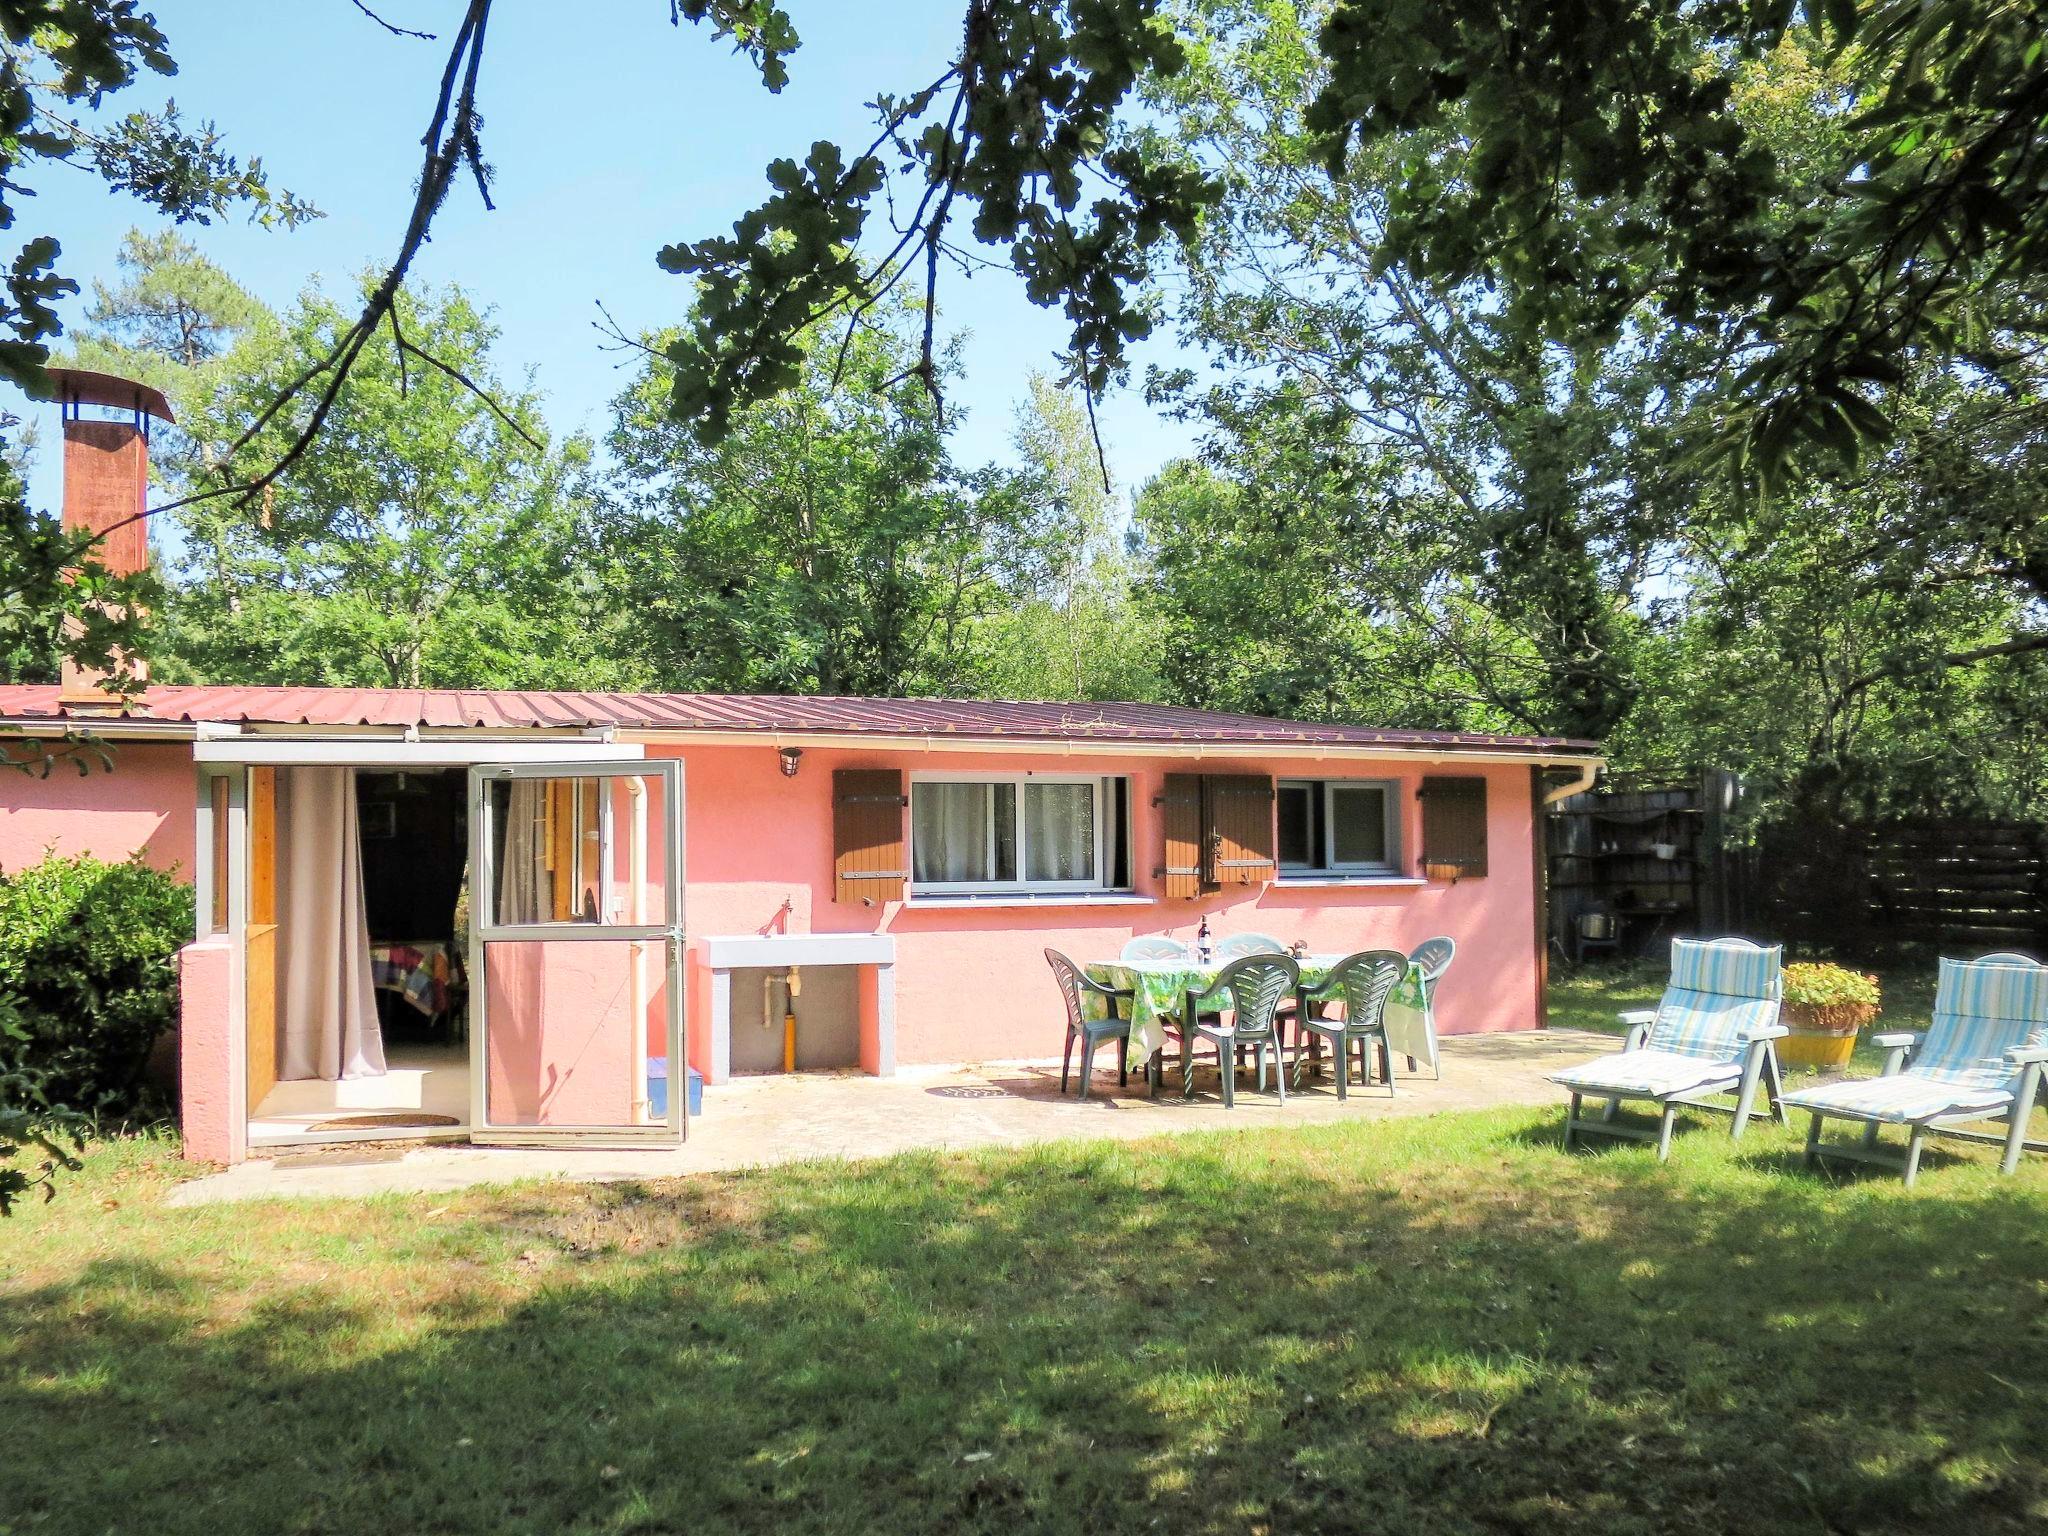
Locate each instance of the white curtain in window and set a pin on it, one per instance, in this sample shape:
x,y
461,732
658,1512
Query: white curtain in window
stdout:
x,y
1059,831
525,889
949,832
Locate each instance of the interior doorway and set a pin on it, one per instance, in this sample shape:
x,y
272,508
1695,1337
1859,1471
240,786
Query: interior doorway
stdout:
x,y
358,993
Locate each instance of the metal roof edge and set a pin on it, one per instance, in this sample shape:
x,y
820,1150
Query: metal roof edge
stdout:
x,y
1098,746
107,727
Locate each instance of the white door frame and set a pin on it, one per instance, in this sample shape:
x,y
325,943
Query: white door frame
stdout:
x,y
232,757
484,930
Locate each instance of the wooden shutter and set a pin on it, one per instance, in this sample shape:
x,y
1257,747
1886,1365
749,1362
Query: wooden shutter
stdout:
x,y
1453,827
1237,829
1183,807
868,863
259,938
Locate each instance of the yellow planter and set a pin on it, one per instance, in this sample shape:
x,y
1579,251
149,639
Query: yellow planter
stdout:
x,y
1812,1043
1816,1050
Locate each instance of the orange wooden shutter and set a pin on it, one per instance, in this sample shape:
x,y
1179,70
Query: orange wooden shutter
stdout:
x,y
1453,827
259,938
1183,819
1238,829
868,862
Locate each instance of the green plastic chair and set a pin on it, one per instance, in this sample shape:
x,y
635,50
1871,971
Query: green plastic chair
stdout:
x,y
1154,946
1236,946
1252,990
1433,957
1362,983
1091,1032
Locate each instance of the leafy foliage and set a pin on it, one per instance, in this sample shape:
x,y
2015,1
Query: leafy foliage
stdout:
x,y
427,539
1520,490
1933,203
1409,510
65,53
55,602
30,1123
1818,984
1018,125
87,985
827,544
1076,628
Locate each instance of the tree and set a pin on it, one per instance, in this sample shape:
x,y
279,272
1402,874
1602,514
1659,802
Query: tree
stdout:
x,y
1932,210
1077,630
426,540
55,597
1532,481
56,55
1282,585
826,544
177,321
1020,125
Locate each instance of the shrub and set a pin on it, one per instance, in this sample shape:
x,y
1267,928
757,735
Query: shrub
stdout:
x,y
88,980
1830,996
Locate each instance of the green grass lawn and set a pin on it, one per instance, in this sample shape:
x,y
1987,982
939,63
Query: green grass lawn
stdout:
x,y
1433,1325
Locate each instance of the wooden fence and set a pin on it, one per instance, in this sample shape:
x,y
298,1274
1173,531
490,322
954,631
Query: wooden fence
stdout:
x,y
1863,889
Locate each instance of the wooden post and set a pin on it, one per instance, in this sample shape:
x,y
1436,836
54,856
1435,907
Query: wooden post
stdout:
x,y
1539,859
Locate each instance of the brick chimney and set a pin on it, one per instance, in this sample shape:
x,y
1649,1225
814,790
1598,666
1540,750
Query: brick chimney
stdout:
x,y
106,483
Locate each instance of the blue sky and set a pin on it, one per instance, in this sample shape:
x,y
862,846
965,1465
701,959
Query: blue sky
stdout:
x,y
609,141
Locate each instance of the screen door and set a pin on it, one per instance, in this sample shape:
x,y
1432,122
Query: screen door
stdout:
x,y
576,952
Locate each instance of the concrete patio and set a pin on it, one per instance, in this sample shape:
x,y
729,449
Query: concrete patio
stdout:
x,y
756,1122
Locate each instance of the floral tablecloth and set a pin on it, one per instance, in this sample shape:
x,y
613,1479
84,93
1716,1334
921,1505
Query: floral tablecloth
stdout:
x,y
1159,991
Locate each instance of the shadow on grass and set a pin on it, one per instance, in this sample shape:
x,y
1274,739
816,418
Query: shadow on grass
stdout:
x,y
1337,1328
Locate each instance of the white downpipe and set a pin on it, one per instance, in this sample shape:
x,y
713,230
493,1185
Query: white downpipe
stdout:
x,y
636,972
1589,770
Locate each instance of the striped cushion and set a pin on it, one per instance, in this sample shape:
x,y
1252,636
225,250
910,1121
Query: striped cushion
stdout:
x,y
1719,994
1730,968
1900,1100
1648,1074
1981,1011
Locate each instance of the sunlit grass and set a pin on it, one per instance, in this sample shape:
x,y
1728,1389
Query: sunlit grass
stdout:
x,y
1441,1324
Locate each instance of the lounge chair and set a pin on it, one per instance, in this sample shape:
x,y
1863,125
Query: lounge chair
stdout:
x,y
1710,1035
1980,1060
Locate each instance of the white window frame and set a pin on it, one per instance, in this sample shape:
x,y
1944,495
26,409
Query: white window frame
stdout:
x,y
1323,789
610,903
1020,886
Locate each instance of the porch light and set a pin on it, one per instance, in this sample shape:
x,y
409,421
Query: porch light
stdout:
x,y
790,756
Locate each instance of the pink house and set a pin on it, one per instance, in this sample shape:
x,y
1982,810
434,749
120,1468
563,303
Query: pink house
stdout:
x,y
506,914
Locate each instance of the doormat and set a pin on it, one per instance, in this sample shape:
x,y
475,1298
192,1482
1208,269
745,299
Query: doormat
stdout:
x,y
354,1155
413,1118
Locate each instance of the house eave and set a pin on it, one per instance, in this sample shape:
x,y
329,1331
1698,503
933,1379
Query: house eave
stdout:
x,y
210,737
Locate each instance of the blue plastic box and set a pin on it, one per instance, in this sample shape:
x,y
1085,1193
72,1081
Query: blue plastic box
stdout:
x,y
657,1088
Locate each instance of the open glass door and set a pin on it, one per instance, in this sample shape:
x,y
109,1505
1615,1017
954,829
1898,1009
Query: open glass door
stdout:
x,y
576,952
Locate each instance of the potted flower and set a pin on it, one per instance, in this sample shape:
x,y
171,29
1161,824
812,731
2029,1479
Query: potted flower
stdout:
x,y
1824,1007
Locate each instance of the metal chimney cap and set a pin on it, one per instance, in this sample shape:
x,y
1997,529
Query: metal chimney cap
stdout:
x,y
81,386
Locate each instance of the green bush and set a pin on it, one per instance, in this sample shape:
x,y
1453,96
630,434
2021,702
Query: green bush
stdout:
x,y
1815,984
88,981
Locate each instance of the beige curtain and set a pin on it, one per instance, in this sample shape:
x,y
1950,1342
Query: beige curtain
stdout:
x,y
525,889
328,1013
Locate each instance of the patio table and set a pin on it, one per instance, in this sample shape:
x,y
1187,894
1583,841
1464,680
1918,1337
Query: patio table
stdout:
x,y
1159,991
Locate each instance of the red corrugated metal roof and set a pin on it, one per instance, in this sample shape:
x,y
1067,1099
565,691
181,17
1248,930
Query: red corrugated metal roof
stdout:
x,y
763,713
